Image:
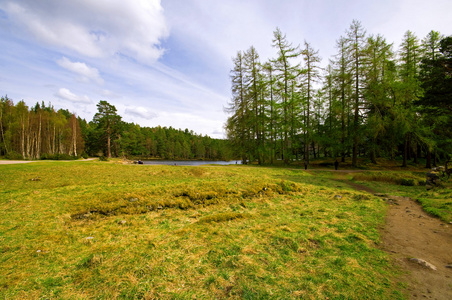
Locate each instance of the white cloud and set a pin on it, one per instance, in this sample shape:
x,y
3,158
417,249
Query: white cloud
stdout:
x,y
110,94
140,112
85,72
67,95
94,28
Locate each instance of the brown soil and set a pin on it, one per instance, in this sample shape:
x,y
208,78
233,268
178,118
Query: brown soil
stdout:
x,y
410,233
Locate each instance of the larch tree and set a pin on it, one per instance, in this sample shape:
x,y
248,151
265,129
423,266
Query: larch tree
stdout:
x,y
286,73
410,89
311,76
236,125
377,91
355,39
342,86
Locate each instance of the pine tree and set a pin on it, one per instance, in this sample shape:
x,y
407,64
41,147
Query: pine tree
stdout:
x,y
107,121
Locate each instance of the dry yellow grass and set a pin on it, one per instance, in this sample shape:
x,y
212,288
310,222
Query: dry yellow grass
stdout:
x,y
111,231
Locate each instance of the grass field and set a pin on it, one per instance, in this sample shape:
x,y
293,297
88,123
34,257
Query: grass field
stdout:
x,y
103,230
437,202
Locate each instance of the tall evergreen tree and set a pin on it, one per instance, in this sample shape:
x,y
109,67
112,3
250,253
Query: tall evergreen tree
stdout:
x,y
311,75
286,73
410,90
107,121
379,76
355,39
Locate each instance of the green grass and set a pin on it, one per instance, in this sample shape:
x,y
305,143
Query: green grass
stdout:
x,y
100,230
437,201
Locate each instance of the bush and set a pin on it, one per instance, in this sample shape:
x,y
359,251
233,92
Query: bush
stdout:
x,y
85,155
103,158
13,155
408,182
59,156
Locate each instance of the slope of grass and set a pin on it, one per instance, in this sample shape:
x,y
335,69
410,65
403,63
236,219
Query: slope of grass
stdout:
x,y
96,230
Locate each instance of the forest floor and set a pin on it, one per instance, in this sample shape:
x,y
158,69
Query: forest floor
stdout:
x,y
420,244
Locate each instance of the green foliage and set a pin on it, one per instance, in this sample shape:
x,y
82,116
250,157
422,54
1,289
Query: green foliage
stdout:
x,y
37,130
373,101
13,155
62,135
59,156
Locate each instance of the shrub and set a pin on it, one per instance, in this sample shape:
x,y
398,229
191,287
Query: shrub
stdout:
x,y
13,155
103,158
408,182
58,156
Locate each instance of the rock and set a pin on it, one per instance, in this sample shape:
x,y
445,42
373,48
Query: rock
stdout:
x,y
423,263
159,207
122,222
449,266
432,179
35,179
133,199
89,238
338,196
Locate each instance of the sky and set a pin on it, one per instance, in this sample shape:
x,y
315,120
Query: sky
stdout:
x,y
167,63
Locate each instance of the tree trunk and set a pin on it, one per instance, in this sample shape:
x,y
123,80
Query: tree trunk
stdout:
x,y
428,164
405,151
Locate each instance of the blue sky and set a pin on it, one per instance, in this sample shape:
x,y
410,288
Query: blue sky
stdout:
x,y
167,62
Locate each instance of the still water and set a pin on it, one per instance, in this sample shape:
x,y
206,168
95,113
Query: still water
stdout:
x,y
190,162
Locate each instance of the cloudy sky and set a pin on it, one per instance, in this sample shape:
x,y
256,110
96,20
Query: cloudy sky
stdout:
x,y
167,62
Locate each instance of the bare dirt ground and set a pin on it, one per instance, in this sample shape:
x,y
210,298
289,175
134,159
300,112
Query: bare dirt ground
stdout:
x,y
9,162
410,234
418,244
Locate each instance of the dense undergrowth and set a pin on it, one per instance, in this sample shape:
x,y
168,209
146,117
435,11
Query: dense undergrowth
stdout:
x,y
85,230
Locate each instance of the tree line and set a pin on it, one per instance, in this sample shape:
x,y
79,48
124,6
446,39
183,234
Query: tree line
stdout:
x,y
41,132
369,101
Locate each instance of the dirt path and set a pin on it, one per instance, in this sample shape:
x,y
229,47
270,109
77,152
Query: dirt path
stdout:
x,y
419,244
413,237
10,162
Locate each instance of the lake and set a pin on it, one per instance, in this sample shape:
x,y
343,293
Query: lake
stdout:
x,y
190,162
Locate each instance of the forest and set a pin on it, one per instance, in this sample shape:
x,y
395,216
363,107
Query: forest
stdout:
x,y
371,100
41,132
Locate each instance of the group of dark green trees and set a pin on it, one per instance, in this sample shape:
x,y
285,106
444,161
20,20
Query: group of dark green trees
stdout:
x,y
41,132
370,101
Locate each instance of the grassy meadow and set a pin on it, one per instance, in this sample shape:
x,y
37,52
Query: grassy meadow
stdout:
x,y
104,230
437,202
